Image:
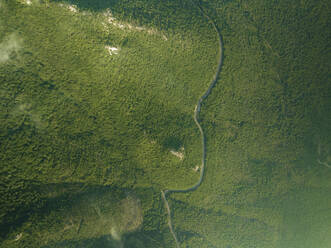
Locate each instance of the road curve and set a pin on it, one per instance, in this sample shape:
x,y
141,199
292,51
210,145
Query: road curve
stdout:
x,y
196,120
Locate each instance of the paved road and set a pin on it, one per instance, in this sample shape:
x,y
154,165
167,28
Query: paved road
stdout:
x,y
196,120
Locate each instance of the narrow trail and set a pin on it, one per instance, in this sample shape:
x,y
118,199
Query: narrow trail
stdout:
x,y
196,120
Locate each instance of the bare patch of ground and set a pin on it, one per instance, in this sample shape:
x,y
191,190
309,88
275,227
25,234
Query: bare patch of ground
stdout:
x,y
18,237
111,20
112,50
71,7
179,154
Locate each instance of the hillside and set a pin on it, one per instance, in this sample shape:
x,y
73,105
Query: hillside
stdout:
x,y
96,118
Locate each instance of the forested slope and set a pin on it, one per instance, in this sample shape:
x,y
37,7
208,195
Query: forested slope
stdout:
x,y
89,135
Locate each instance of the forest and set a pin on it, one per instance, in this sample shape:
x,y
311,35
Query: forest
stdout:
x,y
96,118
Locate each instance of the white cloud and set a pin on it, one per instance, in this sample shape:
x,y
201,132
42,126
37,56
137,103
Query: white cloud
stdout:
x,y
10,45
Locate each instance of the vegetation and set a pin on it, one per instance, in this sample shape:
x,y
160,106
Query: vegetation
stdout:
x,y
86,135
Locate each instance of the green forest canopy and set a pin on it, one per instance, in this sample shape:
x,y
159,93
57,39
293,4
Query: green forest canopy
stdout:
x,y
84,133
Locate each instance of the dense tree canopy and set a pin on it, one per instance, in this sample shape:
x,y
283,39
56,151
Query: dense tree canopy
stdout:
x,y
89,135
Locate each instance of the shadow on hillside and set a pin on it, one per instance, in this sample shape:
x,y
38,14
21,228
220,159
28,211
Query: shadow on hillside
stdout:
x,y
76,202
95,5
162,14
136,239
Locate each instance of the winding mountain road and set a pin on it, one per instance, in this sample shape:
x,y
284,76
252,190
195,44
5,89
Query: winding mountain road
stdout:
x,y
197,109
